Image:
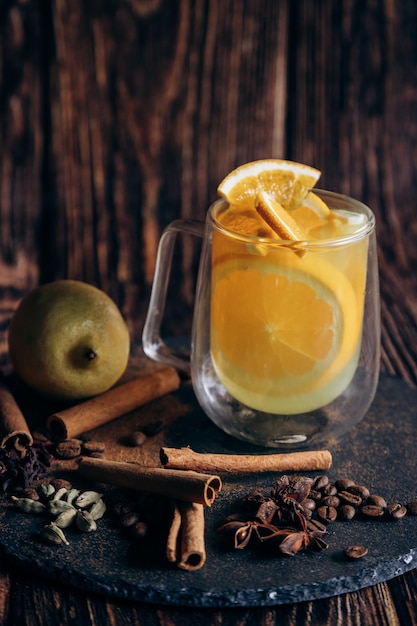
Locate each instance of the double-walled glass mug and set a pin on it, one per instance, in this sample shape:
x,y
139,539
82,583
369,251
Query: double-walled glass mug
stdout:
x,y
285,346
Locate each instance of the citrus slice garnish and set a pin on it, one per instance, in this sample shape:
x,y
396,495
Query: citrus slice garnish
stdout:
x,y
316,205
287,182
312,213
278,218
246,222
295,331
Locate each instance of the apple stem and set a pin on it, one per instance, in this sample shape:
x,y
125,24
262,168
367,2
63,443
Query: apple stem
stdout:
x,y
90,354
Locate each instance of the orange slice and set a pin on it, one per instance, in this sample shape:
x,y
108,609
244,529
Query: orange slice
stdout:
x,y
246,222
278,218
312,215
285,332
287,182
316,205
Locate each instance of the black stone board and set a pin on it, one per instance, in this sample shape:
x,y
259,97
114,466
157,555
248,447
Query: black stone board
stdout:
x,y
379,452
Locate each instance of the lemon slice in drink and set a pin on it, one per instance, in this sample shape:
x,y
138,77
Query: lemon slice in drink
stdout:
x,y
284,331
287,182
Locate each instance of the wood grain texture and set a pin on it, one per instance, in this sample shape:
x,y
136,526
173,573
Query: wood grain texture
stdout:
x,y
21,161
374,606
148,105
117,116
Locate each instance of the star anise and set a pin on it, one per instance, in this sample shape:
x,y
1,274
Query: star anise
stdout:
x,y
245,531
289,541
292,541
277,521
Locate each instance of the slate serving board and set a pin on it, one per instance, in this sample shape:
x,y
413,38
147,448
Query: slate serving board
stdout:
x,y
379,452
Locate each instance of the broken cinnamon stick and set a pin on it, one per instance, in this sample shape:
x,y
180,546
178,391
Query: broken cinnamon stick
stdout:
x,y
14,431
185,542
185,458
176,484
111,404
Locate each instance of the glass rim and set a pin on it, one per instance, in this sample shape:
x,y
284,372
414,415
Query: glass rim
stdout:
x,y
345,202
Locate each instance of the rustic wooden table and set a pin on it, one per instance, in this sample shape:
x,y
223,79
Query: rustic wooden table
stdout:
x,y
120,115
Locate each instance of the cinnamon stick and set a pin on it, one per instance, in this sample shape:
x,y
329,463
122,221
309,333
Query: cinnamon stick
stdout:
x,y
187,459
185,543
185,486
111,404
14,431
173,535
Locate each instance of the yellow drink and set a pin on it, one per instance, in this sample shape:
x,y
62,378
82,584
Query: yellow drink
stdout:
x,y
286,318
285,347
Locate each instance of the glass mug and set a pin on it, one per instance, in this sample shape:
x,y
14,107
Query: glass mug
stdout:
x,y
285,346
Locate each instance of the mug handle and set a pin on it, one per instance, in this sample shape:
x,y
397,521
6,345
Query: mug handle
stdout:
x,y
153,344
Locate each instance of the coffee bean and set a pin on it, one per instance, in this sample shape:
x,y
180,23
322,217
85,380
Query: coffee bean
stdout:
x,y
327,513
330,501
359,490
329,490
310,504
40,437
372,511
346,497
377,501
355,552
93,446
412,507
315,524
129,519
320,482
136,439
128,507
343,483
346,512
314,495
139,530
68,449
396,511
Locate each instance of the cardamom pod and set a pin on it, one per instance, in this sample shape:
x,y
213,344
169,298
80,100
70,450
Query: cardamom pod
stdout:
x,y
71,495
86,498
98,509
85,522
65,519
55,507
27,505
58,494
46,491
53,534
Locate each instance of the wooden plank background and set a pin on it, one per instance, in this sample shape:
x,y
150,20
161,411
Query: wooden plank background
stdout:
x,y
119,116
